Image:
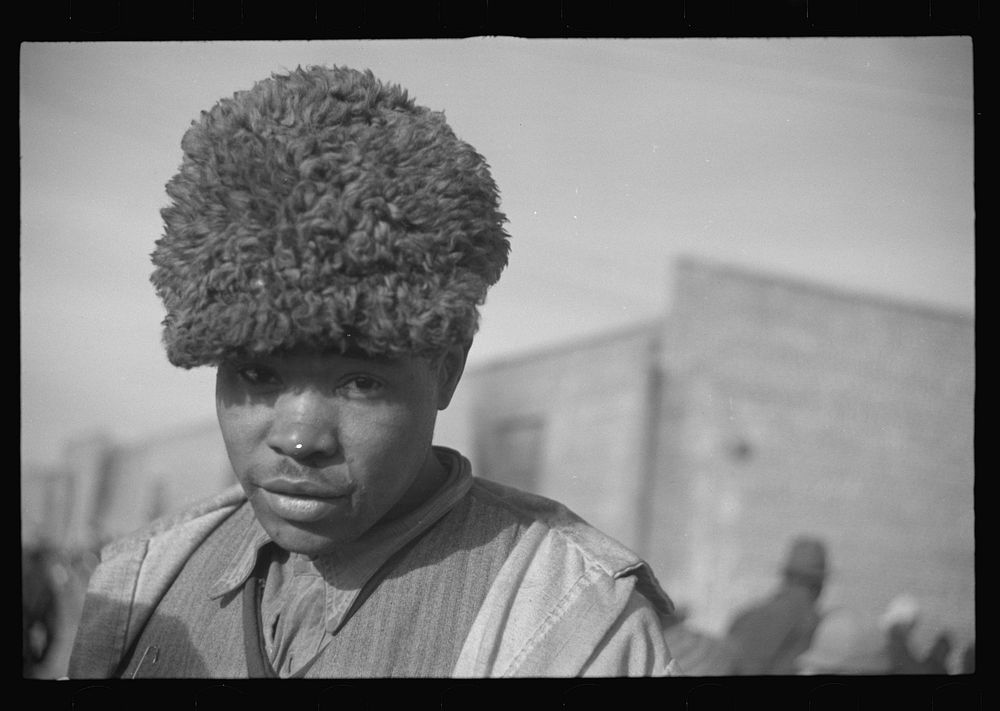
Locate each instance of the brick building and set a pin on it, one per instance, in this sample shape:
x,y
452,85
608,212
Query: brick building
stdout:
x,y
758,408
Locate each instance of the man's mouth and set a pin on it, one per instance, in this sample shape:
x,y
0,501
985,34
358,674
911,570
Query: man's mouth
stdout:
x,y
305,488
303,501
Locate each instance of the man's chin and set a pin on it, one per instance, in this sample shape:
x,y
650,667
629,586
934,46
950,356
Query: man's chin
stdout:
x,y
298,539
301,542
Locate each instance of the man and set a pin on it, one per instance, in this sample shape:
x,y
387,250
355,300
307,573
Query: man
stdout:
x,y
898,623
327,247
39,609
769,636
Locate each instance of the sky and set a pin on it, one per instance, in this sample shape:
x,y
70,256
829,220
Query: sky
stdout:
x,y
847,162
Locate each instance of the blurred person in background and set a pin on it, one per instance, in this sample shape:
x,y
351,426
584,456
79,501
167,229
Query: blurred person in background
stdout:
x,y
900,619
767,637
326,249
936,659
845,643
697,652
39,609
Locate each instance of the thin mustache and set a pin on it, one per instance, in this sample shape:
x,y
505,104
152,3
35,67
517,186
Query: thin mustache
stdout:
x,y
288,471
284,468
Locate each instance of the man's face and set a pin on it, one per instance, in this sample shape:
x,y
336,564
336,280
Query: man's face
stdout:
x,y
325,445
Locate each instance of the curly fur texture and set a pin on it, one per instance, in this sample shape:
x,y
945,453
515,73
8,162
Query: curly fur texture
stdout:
x,y
324,208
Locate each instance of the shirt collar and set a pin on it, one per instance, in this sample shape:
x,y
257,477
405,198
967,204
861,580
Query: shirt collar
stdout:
x,y
351,565
243,559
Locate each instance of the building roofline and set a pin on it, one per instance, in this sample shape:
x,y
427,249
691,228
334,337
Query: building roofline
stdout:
x,y
761,276
649,327
799,283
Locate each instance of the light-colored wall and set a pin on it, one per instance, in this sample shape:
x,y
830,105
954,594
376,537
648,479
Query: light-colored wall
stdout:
x,y
590,404
86,464
164,475
46,506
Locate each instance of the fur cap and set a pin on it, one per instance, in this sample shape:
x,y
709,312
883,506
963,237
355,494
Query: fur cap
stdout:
x,y
324,208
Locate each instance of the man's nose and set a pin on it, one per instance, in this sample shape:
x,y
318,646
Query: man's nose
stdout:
x,y
305,426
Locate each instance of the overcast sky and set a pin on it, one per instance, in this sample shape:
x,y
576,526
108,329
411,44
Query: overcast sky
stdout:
x,y
844,161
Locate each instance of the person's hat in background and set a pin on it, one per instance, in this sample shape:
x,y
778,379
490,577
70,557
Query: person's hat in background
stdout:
x,y
902,611
807,558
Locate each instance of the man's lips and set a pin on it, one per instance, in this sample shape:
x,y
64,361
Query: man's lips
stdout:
x,y
307,489
303,501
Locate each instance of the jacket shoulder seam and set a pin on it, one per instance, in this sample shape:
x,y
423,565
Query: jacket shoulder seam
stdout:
x,y
619,563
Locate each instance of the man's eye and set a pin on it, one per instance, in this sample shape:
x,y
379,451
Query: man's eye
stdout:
x,y
256,375
363,385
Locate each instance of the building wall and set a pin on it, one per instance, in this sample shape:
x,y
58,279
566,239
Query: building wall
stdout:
x,y
789,408
164,475
86,466
569,423
46,506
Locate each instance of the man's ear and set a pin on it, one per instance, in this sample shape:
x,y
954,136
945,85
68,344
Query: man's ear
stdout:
x,y
451,365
